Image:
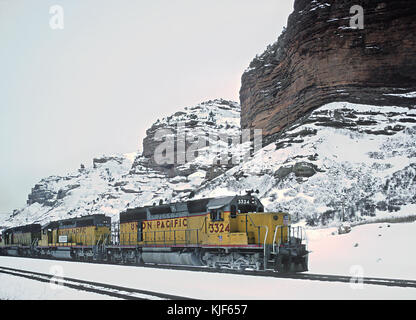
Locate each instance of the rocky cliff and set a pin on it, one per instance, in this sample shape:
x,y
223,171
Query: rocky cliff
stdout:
x,y
342,161
319,58
199,125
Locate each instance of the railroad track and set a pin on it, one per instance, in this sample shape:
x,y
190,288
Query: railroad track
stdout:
x,y
267,273
301,276
89,286
365,280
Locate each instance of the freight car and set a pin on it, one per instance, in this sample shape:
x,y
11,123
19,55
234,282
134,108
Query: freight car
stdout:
x,y
232,232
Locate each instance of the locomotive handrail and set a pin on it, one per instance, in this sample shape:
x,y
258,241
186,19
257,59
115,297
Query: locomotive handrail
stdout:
x,y
34,241
274,239
299,234
264,246
265,236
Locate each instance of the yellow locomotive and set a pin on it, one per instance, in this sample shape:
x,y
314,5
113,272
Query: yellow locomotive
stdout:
x,y
19,241
229,231
232,232
80,238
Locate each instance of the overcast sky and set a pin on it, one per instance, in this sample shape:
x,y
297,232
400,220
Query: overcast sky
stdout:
x,y
94,87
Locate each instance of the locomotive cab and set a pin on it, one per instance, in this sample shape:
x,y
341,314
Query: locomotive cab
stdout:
x,y
244,224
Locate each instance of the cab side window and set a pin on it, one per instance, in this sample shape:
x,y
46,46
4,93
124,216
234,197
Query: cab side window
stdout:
x,y
216,215
213,214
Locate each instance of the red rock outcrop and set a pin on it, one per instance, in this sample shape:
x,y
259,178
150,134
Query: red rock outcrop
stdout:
x,y
319,58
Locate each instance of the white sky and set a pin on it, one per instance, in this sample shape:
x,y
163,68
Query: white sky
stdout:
x,y
94,87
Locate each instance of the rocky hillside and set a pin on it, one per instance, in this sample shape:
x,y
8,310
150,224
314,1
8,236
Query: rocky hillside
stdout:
x,y
343,161
319,59
113,183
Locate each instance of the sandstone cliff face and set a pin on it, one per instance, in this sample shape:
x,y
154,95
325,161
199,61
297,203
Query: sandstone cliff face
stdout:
x,y
320,59
205,120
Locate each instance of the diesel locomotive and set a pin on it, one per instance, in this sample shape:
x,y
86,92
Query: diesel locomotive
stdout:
x,y
232,232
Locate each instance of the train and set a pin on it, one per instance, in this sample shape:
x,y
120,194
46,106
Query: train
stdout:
x,y
222,232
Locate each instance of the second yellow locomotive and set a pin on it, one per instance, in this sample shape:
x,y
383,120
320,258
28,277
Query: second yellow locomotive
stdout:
x,y
79,238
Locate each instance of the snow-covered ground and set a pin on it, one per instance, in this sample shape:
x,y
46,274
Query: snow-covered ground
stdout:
x,y
379,250
197,285
17,288
382,251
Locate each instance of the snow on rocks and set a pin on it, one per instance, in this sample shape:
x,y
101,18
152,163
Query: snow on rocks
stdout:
x,y
356,161
343,161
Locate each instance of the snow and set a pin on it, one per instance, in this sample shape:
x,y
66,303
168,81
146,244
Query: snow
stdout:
x,y
17,288
130,156
354,165
109,186
404,95
318,5
346,28
197,285
382,250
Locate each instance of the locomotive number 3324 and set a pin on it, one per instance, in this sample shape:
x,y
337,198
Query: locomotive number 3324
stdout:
x,y
218,227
